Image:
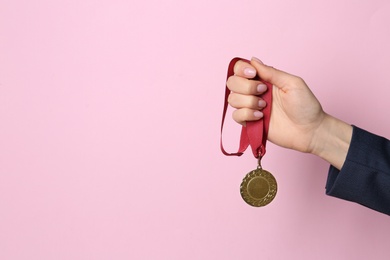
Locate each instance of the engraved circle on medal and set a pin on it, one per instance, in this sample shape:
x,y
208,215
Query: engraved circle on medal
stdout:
x,y
258,188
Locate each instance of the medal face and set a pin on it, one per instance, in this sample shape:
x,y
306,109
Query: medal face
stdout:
x,y
258,188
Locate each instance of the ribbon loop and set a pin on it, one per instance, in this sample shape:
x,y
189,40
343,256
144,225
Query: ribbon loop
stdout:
x,y
255,133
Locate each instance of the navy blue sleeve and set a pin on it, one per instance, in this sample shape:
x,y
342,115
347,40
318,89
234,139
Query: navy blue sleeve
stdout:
x,y
365,175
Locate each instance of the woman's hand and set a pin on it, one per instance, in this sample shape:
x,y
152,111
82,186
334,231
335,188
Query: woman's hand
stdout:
x,y
297,119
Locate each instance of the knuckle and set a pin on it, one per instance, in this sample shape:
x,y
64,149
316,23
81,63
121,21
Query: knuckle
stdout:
x,y
231,98
232,83
299,80
238,66
273,75
229,82
235,116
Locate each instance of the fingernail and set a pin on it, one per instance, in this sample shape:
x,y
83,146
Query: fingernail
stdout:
x,y
258,114
250,72
261,103
257,59
261,88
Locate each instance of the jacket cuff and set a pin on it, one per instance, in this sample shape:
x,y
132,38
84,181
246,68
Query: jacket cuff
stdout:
x,y
364,178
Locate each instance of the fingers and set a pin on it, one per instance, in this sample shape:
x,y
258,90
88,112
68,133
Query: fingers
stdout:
x,y
245,91
244,69
269,74
244,86
237,100
246,114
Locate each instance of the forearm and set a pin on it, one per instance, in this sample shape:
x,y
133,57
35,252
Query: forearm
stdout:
x,y
332,140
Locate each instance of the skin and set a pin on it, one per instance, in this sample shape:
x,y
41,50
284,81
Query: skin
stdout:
x,y
298,121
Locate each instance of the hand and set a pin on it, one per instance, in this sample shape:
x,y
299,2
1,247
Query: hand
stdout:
x,y
297,119
295,114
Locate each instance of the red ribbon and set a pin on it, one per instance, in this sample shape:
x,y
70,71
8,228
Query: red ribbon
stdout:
x,y
256,132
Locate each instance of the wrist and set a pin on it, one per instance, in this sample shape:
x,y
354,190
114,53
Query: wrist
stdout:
x,y
332,140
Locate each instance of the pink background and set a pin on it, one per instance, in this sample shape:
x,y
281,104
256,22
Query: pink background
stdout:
x,y
109,128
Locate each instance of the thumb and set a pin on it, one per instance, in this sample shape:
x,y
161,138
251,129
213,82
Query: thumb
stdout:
x,y
269,74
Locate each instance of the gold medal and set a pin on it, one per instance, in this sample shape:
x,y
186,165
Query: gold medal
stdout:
x,y
258,188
